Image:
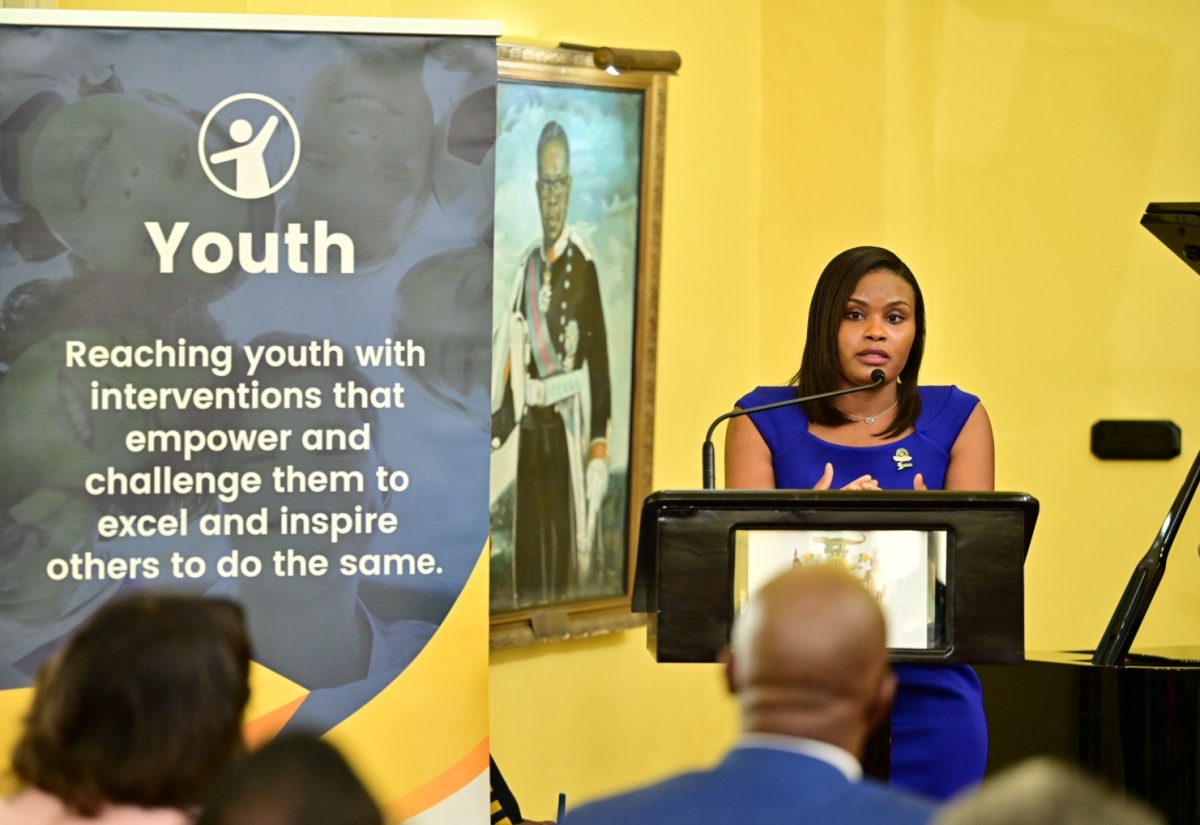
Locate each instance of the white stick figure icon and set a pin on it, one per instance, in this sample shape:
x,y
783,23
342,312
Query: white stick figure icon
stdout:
x,y
251,180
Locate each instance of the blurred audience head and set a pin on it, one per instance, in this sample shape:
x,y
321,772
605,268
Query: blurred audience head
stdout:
x,y
1044,791
296,779
143,706
808,657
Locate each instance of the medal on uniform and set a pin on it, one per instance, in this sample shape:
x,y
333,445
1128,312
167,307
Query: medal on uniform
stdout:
x,y
544,291
571,344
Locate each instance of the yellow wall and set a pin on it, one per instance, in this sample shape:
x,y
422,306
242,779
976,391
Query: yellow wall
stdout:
x,y
1005,148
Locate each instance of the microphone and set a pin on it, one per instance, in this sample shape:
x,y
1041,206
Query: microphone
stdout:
x,y
708,457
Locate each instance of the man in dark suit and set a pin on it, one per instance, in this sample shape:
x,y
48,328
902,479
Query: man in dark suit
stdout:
x,y
808,664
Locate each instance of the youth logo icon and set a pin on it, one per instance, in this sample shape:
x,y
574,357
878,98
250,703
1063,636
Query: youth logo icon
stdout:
x,y
257,125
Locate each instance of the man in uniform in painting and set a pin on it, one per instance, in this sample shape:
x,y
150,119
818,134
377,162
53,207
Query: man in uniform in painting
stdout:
x,y
555,386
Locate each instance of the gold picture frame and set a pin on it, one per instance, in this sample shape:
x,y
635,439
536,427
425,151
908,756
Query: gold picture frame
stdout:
x,y
550,589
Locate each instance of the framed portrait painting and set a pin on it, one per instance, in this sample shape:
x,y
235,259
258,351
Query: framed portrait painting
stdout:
x,y
578,205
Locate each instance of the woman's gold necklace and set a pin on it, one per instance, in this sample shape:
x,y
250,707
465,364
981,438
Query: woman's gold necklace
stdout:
x,y
870,420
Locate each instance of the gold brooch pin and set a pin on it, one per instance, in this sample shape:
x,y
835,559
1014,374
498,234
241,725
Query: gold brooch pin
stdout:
x,y
903,459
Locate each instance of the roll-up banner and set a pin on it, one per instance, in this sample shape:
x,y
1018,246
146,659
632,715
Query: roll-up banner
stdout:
x,y
245,273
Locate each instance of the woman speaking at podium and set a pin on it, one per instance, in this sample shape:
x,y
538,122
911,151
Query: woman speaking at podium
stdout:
x,y
867,314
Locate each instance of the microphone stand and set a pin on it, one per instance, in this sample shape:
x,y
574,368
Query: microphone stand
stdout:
x,y
708,454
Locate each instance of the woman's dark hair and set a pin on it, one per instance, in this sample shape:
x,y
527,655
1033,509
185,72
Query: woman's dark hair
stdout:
x,y
820,366
143,706
296,779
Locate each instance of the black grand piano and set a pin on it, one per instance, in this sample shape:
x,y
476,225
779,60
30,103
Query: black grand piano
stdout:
x,y
1132,718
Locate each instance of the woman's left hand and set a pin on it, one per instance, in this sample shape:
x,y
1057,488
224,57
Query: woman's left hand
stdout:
x,y
919,482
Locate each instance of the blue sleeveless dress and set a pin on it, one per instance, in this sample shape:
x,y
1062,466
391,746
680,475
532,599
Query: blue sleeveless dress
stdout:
x,y
939,732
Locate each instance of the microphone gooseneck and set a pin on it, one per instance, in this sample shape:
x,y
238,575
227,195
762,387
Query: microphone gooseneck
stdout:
x,y
708,453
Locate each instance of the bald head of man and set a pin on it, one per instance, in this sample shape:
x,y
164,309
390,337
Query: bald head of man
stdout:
x,y
808,657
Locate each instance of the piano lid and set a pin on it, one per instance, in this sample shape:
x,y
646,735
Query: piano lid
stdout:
x,y
1168,656
1178,226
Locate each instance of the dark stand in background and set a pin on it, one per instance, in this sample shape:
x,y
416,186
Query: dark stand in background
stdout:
x,y
1131,718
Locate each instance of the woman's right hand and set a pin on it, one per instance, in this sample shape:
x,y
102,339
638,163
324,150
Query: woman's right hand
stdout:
x,y
860,483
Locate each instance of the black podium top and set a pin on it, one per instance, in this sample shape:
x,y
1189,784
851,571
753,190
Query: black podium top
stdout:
x,y
695,549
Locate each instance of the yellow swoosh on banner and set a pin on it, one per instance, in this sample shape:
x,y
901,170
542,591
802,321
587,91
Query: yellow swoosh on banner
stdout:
x,y
423,738
13,706
443,787
425,735
273,701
